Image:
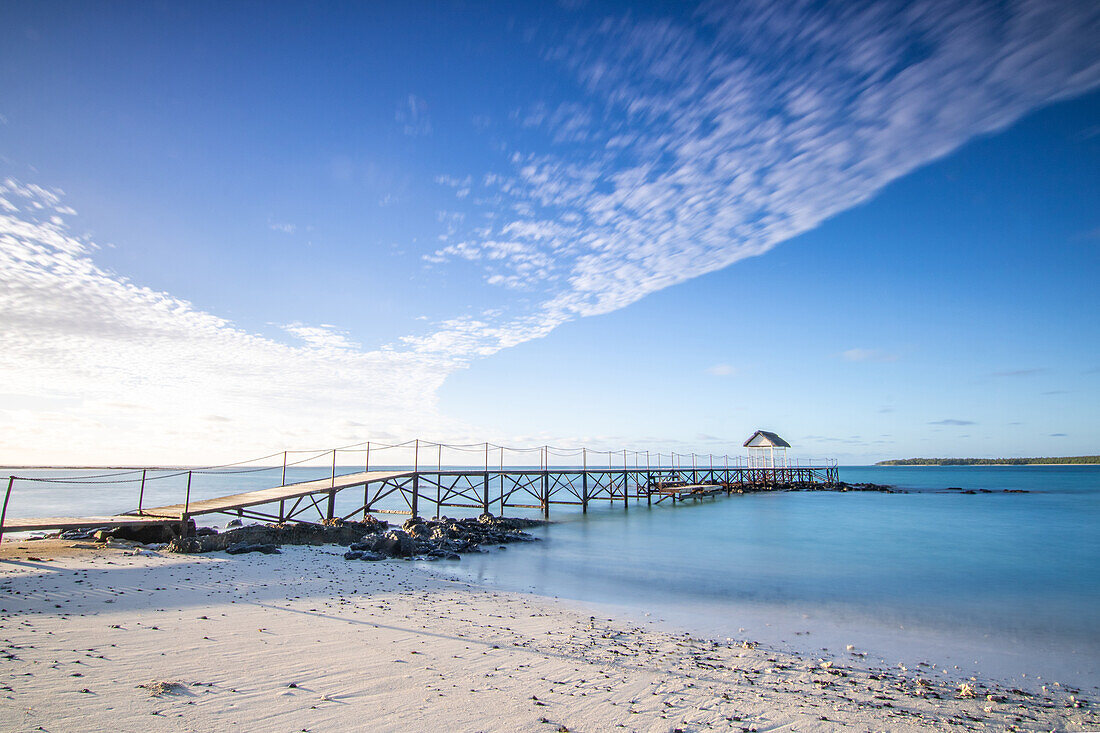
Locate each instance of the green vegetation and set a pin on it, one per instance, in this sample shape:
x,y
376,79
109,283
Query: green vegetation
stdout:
x,y
989,461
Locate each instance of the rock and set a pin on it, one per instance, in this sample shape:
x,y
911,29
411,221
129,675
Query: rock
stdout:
x,y
148,533
282,534
205,531
366,555
242,547
398,543
234,523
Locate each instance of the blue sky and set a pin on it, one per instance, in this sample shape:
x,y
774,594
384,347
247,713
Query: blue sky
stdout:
x,y
233,228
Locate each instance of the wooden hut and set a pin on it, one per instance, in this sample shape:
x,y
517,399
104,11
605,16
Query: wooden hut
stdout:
x,y
763,446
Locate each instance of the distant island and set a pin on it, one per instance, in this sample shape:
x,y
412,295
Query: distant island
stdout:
x,y
990,461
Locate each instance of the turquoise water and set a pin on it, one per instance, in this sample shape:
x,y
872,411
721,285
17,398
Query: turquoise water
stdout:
x,y
998,584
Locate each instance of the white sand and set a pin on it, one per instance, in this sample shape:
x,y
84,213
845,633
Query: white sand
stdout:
x,y
390,646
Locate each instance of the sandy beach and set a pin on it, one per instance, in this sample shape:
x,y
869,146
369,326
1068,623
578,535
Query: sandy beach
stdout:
x,y
98,639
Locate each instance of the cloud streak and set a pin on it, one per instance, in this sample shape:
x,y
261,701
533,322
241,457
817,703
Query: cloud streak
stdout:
x,y
699,145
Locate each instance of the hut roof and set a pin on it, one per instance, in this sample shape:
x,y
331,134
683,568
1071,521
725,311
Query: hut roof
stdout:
x,y
765,439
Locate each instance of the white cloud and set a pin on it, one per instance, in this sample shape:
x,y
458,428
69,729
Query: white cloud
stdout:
x,y
867,355
324,337
721,370
79,341
282,227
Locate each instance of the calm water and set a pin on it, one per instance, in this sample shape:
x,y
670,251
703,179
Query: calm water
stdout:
x,y
1001,584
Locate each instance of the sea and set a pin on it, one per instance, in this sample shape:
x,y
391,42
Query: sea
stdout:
x,y
1000,585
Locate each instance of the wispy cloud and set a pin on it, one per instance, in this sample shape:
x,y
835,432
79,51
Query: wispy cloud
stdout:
x,y
721,370
412,116
867,355
282,227
324,337
697,146
1021,372
951,421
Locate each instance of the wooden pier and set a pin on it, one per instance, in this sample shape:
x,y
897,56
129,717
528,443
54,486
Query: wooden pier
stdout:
x,y
490,490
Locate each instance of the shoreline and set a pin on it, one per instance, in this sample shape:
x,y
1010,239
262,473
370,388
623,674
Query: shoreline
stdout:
x,y
309,640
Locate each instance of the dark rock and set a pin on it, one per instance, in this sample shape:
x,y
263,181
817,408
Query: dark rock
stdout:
x,y
398,543
146,534
282,534
234,523
366,555
242,547
205,531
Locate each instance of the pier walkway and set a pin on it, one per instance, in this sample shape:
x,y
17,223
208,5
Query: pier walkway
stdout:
x,y
488,490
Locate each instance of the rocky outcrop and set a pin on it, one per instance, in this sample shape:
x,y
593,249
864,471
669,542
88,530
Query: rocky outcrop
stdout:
x,y
343,533
434,539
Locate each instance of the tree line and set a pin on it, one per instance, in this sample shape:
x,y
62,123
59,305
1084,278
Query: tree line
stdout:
x,y
988,461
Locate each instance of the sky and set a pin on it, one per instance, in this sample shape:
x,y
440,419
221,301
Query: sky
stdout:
x,y
229,229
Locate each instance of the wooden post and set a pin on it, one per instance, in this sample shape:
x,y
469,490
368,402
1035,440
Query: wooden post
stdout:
x,y
545,484
186,508
141,494
485,485
584,481
438,478
626,480
500,475
4,511
694,475
331,510
416,477
284,470
610,478
366,485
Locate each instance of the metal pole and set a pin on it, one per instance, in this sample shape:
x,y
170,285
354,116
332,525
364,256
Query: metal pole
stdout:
x,y
4,511
141,494
284,470
438,478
